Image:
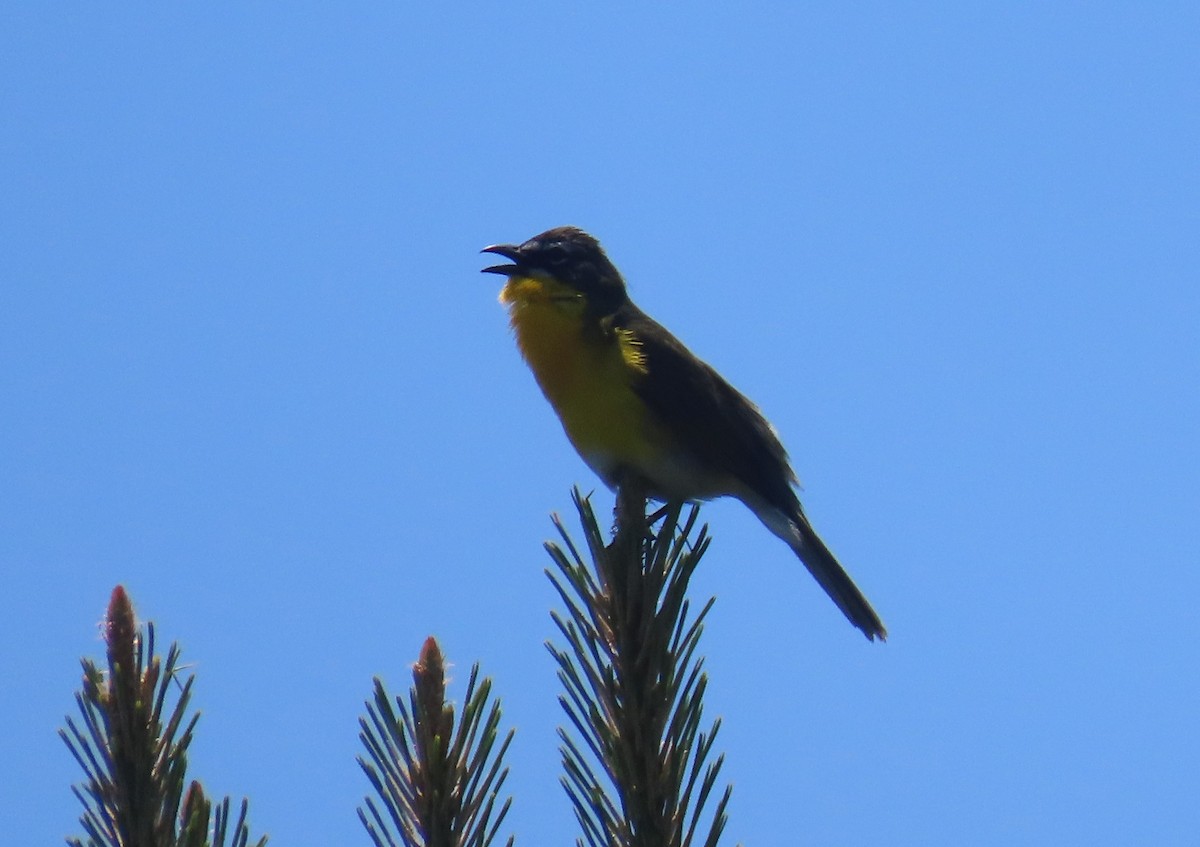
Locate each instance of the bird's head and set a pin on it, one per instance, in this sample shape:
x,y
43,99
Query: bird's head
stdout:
x,y
560,264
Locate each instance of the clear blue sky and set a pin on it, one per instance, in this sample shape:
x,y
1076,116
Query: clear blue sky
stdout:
x,y
249,369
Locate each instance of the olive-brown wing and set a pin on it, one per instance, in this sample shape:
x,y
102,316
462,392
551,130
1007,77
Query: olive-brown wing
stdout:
x,y
708,416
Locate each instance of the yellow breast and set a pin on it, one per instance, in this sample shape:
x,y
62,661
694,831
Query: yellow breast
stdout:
x,y
586,374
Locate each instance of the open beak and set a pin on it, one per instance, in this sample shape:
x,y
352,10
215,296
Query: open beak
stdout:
x,y
508,251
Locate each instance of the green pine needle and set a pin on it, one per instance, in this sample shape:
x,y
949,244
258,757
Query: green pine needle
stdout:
x,y
635,759
437,784
134,763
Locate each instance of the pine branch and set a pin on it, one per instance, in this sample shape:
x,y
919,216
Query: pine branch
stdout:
x,y
437,785
636,760
136,767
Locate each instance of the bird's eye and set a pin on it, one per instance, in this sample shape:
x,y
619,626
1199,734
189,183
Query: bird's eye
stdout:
x,y
555,252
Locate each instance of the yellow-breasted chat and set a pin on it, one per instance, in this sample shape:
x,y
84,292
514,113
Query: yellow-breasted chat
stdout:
x,y
634,400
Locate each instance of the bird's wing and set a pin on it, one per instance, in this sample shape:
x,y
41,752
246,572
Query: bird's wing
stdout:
x,y
710,417
723,429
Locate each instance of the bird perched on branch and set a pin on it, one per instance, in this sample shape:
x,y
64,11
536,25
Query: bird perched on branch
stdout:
x,y
633,399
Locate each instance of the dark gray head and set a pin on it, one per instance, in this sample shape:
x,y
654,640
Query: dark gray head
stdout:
x,y
571,256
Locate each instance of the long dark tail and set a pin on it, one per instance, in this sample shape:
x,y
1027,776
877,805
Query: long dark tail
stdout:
x,y
836,582
800,536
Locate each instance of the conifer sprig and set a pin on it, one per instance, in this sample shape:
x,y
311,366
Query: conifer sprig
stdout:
x,y
636,763
135,762
438,785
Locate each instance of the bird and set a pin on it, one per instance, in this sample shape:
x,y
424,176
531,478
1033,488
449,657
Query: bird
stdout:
x,y
634,400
